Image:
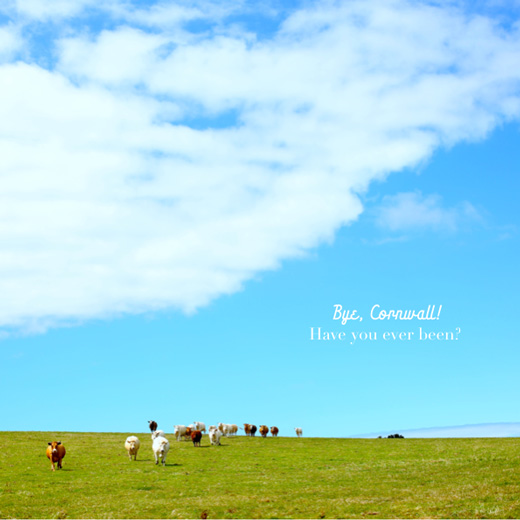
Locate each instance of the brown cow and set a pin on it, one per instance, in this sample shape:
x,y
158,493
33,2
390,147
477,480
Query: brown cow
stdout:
x,y
247,429
274,431
55,453
196,436
264,430
253,430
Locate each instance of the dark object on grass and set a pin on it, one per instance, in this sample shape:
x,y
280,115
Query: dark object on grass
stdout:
x,y
196,436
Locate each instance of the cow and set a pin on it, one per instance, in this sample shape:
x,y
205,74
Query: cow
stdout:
x,y
55,453
234,429
264,430
152,425
274,431
196,436
247,429
226,429
199,426
160,448
253,430
299,431
214,436
132,445
157,433
179,431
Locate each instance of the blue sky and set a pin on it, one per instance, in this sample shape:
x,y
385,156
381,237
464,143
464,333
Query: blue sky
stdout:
x,y
189,188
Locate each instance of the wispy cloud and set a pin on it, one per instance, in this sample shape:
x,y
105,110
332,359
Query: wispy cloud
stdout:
x,y
464,431
164,168
415,211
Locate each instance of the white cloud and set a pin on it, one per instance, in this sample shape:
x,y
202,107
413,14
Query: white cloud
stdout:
x,y
413,211
163,169
10,42
49,9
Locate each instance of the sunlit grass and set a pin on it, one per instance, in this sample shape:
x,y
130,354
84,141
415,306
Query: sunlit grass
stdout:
x,y
260,478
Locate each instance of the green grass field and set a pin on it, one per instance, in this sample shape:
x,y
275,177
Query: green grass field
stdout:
x,y
260,478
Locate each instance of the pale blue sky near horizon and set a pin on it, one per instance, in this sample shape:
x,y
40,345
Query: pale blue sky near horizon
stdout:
x,y
159,282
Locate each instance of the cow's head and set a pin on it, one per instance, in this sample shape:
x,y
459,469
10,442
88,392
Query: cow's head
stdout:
x,y
54,445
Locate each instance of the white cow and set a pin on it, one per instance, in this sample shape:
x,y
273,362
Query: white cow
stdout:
x,y
214,436
160,448
157,433
132,445
298,431
179,431
226,429
199,426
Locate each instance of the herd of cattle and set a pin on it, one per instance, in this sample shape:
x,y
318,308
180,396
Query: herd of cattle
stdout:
x,y
161,445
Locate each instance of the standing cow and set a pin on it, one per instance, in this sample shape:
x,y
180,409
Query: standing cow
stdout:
x,y
214,435
274,431
253,430
55,453
196,436
298,431
199,426
160,448
152,425
264,430
180,431
132,445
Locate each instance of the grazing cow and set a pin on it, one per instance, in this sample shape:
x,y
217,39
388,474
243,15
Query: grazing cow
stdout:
x,y
199,426
214,436
157,433
179,431
253,430
152,425
247,429
274,431
264,430
132,445
55,453
298,431
196,436
160,448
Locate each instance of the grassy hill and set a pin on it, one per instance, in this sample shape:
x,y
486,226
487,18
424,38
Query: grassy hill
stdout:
x,y
260,478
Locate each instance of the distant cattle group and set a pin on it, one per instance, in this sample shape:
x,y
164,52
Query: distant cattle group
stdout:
x,y
160,444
